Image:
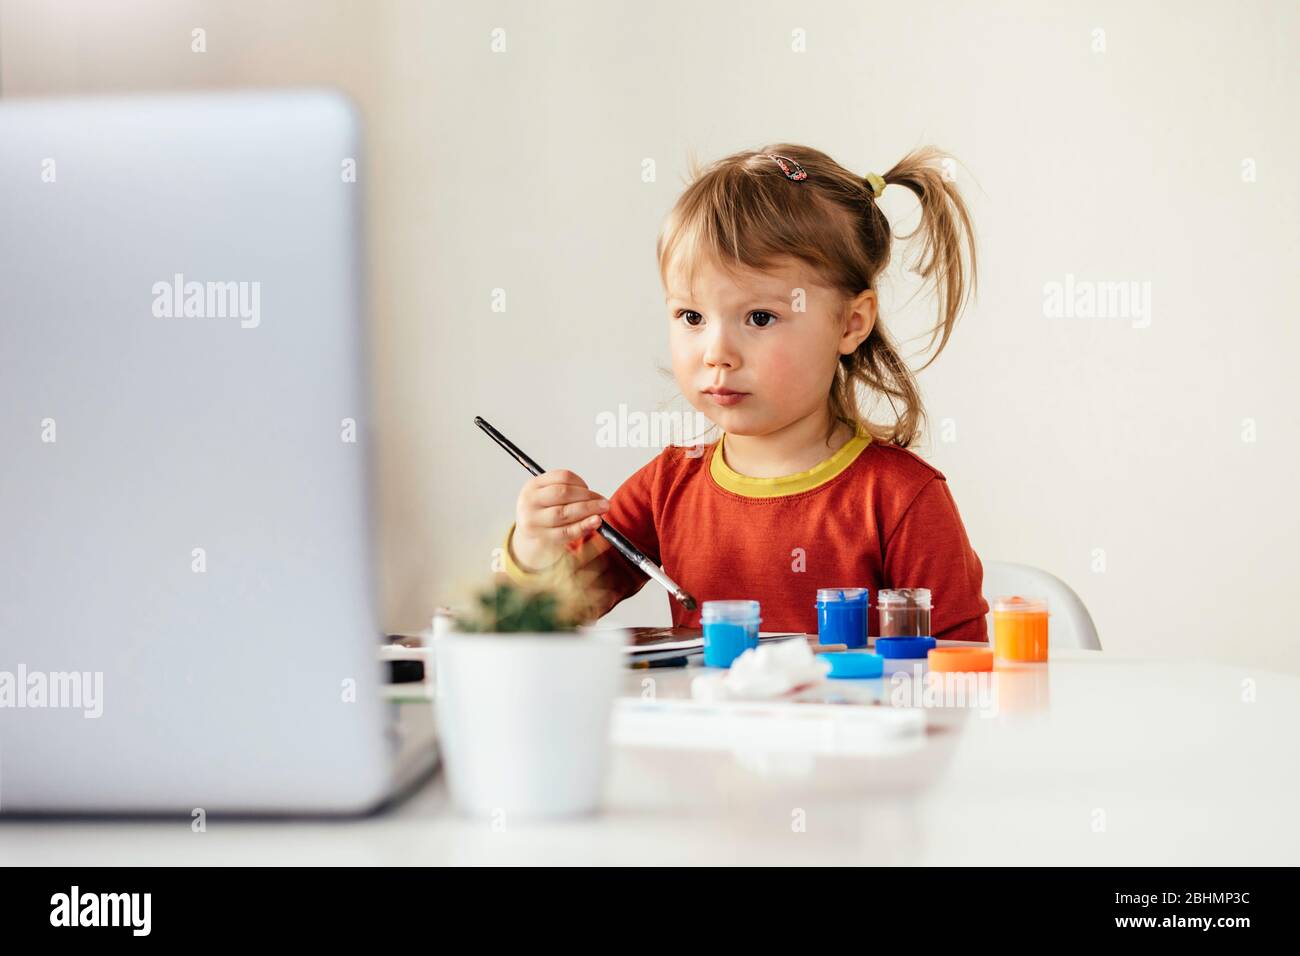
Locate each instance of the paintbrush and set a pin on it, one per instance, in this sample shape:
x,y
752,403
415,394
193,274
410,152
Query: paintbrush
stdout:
x,y
622,544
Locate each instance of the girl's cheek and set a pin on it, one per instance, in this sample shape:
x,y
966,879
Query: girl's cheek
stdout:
x,y
793,369
776,371
684,366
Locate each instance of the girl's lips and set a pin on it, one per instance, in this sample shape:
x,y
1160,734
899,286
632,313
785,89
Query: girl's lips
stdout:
x,y
727,398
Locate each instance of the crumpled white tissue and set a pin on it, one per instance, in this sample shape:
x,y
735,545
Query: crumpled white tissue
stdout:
x,y
762,673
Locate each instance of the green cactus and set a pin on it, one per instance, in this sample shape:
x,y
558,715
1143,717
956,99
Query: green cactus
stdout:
x,y
508,609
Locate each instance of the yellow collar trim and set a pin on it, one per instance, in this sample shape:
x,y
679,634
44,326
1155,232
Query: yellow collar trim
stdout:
x,y
794,484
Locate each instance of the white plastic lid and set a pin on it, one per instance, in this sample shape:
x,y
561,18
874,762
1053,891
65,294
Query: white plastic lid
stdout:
x,y
903,597
742,612
1017,604
841,594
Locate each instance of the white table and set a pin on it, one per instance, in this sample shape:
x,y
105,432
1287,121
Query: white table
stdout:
x,y
1100,761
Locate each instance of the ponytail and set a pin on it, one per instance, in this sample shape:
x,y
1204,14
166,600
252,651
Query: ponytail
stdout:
x,y
947,253
946,260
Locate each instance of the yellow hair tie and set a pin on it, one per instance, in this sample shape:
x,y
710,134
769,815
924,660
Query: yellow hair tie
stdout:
x,y
876,183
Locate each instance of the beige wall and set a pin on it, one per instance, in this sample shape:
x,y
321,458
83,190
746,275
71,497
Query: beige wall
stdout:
x,y
522,170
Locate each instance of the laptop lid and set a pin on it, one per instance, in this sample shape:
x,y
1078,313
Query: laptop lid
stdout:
x,y
187,613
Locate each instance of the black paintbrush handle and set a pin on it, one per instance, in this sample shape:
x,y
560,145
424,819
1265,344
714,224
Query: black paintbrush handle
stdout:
x,y
624,546
513,450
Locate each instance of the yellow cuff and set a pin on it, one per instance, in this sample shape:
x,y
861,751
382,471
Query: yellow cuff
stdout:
x,y
521,576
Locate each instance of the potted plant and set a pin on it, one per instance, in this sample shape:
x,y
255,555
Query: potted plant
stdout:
x,y
524,697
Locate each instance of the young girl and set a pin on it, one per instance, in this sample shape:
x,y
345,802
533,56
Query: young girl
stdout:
x,y
769,262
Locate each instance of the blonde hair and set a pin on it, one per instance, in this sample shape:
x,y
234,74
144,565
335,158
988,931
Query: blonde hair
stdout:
x,y
745,210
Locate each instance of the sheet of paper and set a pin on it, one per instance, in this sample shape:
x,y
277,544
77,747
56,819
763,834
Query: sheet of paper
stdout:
x,y
647,642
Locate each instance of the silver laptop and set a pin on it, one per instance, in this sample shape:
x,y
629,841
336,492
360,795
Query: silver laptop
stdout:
x,y
187,603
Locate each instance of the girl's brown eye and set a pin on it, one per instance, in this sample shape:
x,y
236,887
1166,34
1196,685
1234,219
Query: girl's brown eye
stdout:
x,y
686,314
768,316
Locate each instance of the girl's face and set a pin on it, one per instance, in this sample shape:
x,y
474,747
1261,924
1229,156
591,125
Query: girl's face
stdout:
x,y
739,331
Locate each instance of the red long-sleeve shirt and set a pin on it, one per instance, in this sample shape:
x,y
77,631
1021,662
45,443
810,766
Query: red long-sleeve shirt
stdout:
x,y
871,515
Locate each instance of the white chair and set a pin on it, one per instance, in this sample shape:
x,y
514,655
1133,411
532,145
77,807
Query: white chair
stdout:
x,y
1071,624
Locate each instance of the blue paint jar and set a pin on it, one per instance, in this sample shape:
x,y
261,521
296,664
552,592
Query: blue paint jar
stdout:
x,y
842,616
730,628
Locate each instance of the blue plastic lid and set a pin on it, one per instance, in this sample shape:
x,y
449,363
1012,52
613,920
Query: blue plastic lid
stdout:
x,y
854,664
903,647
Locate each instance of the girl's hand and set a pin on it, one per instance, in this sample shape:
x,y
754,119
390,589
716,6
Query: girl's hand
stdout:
x,y
554,508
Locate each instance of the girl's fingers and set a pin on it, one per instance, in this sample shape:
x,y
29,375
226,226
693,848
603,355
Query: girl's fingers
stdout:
x,y
560,476
579,528
548,495
573,513
558,506
552,496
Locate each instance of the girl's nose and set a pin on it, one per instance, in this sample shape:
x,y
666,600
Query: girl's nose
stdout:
x,y
719,350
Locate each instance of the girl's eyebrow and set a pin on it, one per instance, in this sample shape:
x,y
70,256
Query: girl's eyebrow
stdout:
x,y
759,299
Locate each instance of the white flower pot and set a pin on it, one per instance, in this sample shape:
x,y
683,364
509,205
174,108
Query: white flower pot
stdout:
x,y
523,720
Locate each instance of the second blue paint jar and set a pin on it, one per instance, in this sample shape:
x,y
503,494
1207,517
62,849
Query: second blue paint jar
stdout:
x,y
842,616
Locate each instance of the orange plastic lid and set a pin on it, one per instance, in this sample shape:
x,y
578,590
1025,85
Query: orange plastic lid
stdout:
x,y
960,659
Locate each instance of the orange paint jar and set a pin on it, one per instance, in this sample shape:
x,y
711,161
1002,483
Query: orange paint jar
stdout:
x,y
1020,629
